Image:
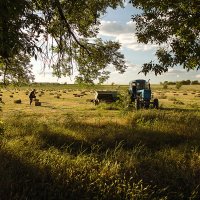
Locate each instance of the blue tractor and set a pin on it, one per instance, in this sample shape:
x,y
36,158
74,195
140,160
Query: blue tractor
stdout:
x,y
140,93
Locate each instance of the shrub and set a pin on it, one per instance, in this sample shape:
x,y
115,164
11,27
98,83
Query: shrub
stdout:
x,y
178,85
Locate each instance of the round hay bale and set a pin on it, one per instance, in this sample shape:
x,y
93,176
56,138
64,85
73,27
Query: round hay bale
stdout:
x,y
18,101
11,96
37,103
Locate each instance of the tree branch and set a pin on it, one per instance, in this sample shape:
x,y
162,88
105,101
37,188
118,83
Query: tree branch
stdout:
x,y
63,18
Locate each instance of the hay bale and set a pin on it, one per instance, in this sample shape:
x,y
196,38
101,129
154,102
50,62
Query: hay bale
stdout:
x,y
37,103
18,101
89,100
11,96
1,95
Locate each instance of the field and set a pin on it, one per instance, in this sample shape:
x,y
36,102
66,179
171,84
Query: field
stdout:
x,y
68,148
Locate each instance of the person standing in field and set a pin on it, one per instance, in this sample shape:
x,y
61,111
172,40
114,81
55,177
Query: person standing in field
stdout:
x,y
32,96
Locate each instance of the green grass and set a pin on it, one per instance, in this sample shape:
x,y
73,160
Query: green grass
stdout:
x,y
70,149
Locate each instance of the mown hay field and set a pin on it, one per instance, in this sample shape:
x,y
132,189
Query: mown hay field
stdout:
x,y
68,148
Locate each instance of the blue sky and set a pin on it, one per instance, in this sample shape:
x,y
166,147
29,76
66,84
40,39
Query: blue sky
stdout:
x,y
117,25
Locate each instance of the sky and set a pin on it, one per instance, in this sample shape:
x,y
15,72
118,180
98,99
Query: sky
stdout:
x,y
117,25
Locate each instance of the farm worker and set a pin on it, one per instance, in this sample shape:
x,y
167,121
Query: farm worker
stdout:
x,y
32,96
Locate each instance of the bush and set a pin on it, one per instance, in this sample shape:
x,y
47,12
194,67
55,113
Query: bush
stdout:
x,y
178,85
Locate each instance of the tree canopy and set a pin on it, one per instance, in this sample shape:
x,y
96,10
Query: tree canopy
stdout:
x,y
61,32
175,27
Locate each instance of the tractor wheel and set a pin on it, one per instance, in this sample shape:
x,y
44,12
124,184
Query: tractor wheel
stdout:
x,y
96,102
155,103
137,104
146,104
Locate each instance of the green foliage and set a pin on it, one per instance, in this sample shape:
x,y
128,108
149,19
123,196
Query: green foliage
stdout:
x,y
20,28
183,82
165,85
178,85
174,26
60,33
17,70
195,82
94,67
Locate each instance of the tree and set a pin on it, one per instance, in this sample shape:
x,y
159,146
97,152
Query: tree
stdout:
x,y
20,28
175,27
196,82
61,32
178,85
18,70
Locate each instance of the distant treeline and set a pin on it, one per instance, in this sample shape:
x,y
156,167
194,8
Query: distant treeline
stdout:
x,y
183,82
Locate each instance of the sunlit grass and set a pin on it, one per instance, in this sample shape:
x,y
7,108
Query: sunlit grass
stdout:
x,y
70,149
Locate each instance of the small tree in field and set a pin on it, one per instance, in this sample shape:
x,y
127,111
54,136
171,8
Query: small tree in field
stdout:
x,y
178,85
165,84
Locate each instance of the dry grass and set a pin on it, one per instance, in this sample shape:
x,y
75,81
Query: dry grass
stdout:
x,y
67,148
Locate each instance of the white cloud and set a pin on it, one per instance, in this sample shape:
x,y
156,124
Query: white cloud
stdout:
x,y
197,76
176,71
114,28
124,34
129,41
132,67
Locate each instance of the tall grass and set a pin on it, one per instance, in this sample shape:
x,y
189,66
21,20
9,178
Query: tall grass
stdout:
x,y
148,154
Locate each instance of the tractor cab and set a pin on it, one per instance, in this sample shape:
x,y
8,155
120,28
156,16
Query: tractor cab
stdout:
x,y
139,87
140,93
